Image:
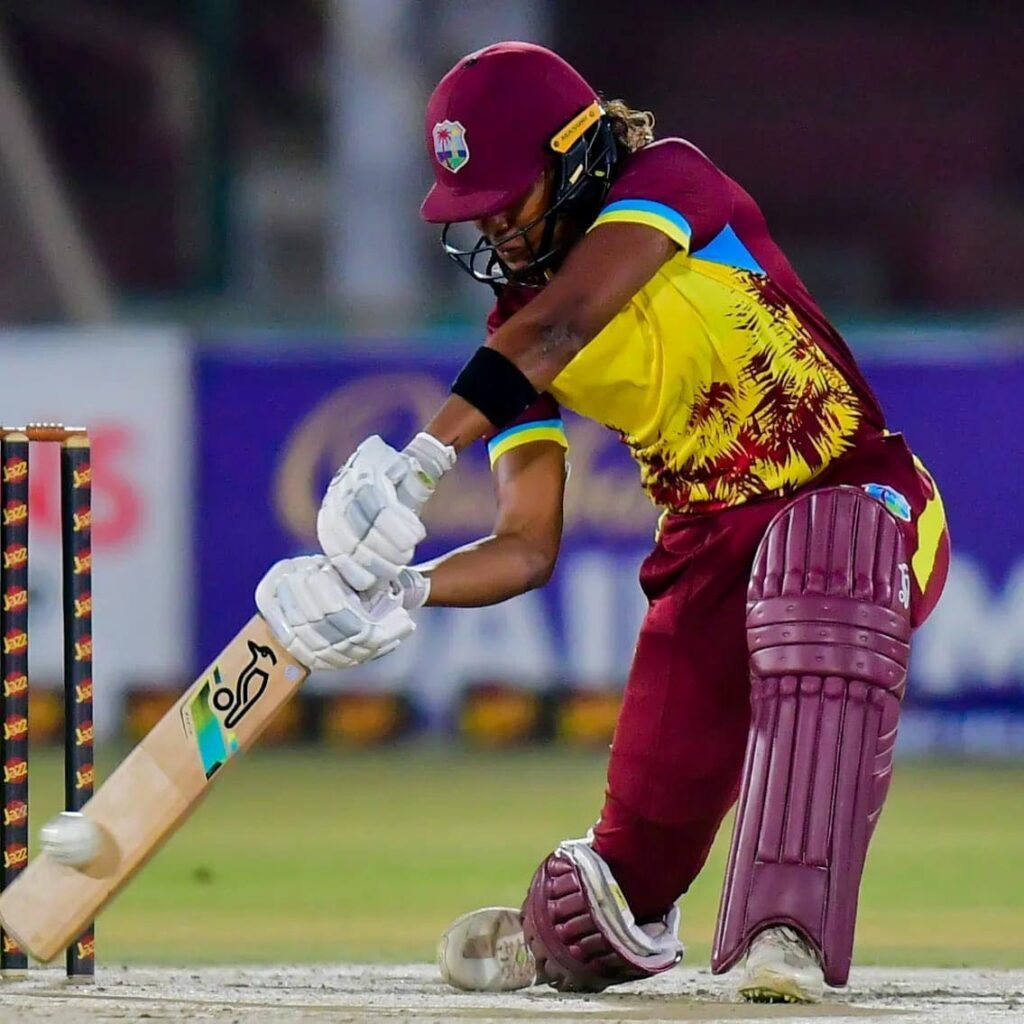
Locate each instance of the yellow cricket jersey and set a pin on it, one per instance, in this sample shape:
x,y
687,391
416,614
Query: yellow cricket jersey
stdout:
x,y
721,374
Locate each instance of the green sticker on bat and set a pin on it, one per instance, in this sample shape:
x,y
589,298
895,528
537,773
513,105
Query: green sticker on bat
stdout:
x,y
214,742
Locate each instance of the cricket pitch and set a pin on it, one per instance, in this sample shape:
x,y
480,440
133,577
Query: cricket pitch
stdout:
x,y
359,994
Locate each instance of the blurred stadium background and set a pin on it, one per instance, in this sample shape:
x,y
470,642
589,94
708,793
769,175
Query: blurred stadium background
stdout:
x,y
211,256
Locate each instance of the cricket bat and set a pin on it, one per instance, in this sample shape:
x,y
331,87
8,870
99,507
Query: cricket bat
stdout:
x,y
154,789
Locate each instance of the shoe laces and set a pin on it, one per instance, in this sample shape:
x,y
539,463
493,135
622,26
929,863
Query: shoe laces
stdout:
x,y
796,950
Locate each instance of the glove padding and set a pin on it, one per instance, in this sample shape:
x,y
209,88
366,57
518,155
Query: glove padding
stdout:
x,y
322,621
369,521
412,588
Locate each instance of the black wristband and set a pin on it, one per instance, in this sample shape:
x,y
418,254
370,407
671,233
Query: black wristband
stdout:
x,y
494,384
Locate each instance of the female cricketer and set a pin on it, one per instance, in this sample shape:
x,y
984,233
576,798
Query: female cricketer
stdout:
x,y
801,541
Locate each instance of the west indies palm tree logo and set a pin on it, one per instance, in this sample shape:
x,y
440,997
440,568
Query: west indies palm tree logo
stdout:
x,y
450,146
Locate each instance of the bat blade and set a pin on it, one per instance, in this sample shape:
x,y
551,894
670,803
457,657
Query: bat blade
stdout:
x,y
154,789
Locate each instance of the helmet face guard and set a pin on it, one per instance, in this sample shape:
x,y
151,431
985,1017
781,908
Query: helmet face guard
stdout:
x,y
585,153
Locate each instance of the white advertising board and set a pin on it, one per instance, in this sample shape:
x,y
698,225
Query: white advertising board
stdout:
x,y
130,388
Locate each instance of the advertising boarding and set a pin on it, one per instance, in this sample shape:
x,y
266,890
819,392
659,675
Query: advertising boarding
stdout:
x,y
130,388
272,428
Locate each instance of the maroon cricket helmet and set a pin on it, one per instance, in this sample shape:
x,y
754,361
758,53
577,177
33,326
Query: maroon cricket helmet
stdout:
x,y
489,126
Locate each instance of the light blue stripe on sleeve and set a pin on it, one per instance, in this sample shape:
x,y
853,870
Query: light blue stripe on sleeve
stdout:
x,y
650,206
727,248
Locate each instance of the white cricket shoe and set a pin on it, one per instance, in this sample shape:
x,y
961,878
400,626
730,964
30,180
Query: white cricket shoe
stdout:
x,y
781,967
485,951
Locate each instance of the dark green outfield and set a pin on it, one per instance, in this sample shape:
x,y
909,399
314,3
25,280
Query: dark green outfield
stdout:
x,y
312,855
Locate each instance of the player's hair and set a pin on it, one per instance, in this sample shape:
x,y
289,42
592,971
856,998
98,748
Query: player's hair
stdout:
x,y
633,129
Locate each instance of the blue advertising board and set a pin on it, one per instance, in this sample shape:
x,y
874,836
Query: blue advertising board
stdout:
x,y
965,418
273,426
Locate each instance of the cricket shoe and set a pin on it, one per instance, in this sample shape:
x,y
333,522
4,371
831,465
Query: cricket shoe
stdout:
x,y
781,967
485,951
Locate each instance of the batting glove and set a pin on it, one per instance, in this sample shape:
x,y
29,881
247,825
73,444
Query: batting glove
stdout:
x,y
370,515
412,588
322,621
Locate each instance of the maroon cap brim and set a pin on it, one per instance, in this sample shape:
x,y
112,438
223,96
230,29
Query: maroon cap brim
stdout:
x,y
444,205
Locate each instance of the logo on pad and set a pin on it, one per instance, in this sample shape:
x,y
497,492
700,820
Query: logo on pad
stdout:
x,y
450,146
891,499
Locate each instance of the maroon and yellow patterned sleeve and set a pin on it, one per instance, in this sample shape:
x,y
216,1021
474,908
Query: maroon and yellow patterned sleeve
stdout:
x,y
541,422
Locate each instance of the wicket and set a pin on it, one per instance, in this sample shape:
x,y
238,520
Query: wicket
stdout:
x,y
76,524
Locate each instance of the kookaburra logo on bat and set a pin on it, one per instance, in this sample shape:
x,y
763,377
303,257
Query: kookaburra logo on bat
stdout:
x,y
252,681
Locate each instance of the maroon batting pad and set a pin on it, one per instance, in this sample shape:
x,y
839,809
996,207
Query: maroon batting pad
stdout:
x,y
575,949
828,626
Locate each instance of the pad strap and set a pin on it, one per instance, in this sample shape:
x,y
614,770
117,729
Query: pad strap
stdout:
x,y
492,383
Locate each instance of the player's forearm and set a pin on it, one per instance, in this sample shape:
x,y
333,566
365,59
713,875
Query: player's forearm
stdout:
x,y
539,350
489,572
458,423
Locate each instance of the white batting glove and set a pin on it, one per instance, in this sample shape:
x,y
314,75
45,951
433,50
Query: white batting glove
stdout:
x,y
412,588
370,517
322,621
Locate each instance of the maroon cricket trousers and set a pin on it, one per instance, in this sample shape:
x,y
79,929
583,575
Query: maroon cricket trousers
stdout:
x,y
679,744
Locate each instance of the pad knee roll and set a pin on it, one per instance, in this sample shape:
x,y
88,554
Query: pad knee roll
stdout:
x,y
580,931
828,626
